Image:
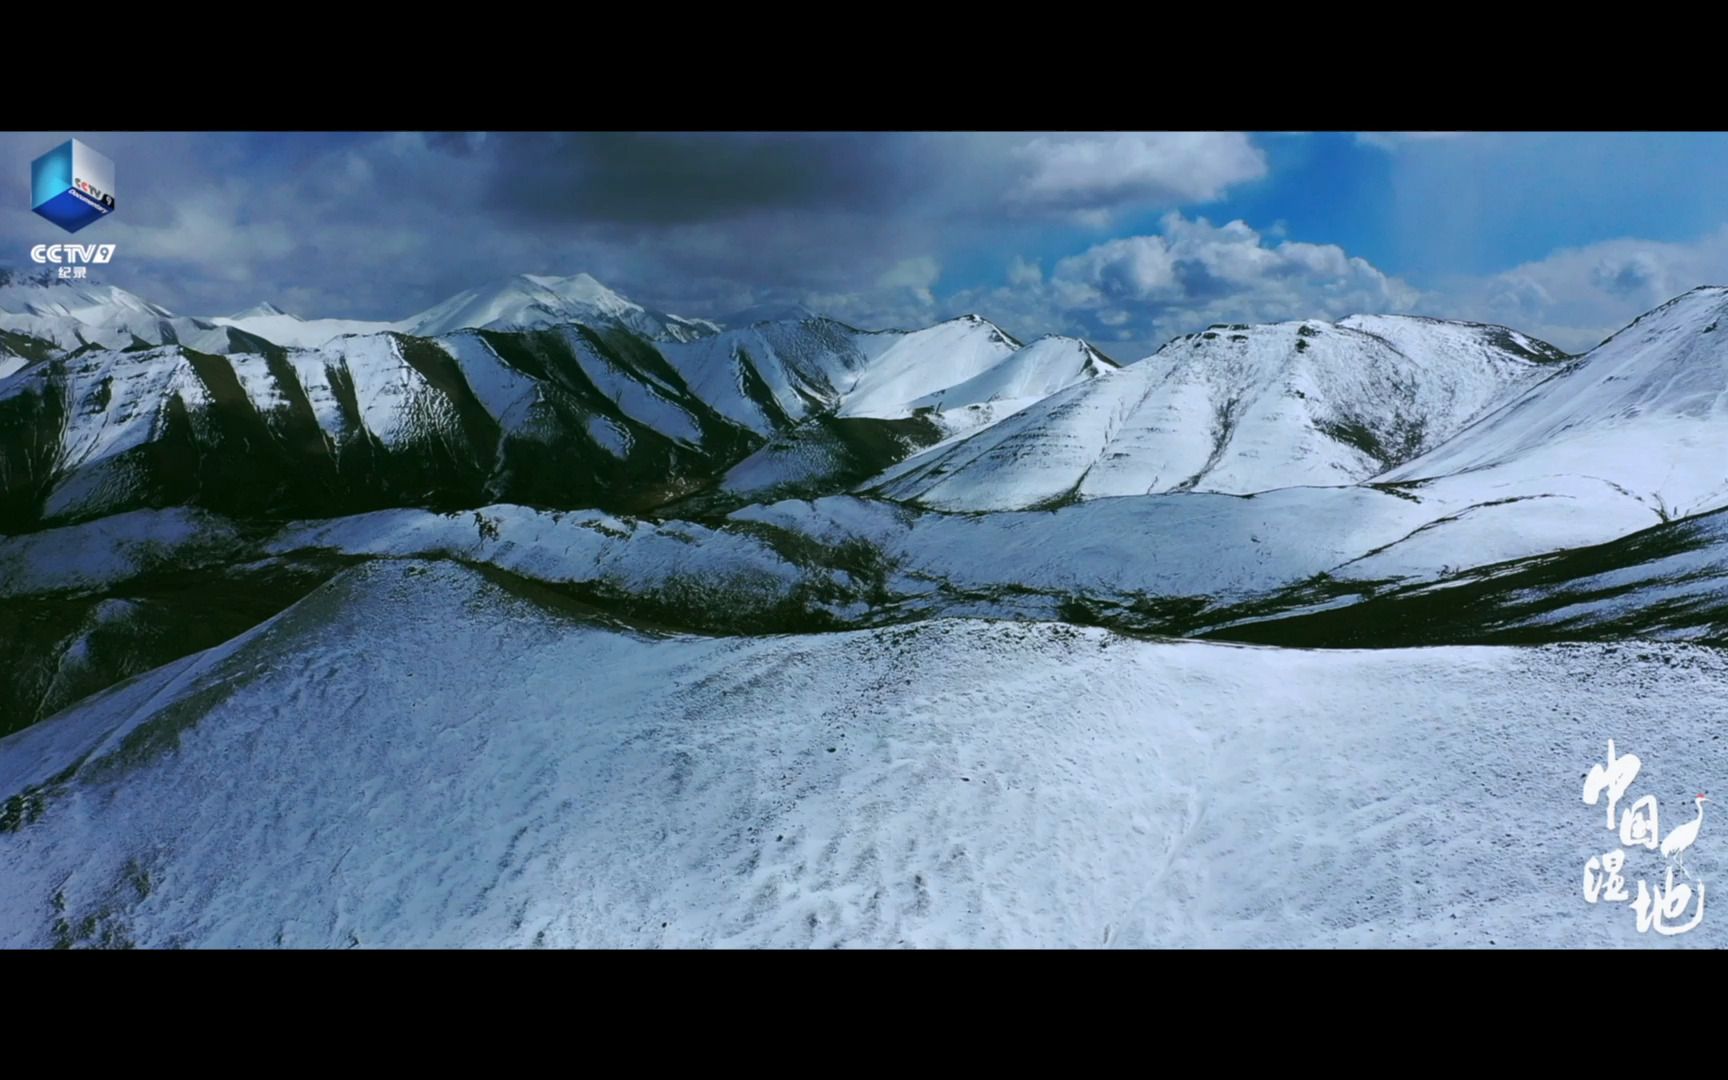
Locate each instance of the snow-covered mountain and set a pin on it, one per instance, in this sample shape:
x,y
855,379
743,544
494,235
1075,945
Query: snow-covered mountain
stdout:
x,y
707,548
262,310
10,358
72,314
568,415
416,756
271,323
325,416
529,301
75,314
1238,409
1283,567
562,416
1645,411
1027,376
898,393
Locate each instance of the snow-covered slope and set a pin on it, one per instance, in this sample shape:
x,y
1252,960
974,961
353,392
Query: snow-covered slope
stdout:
x,y
49,296
530,301
414,757
1287,567
905,368
84,607
559,416
1646,411
1236,409
770,376
1668,582
827,404
1154,562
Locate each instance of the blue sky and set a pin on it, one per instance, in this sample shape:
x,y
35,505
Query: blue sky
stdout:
x,y
1127,238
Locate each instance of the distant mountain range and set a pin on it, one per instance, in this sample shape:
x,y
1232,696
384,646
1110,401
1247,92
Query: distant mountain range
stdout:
x,y
496,594
72,314
628,410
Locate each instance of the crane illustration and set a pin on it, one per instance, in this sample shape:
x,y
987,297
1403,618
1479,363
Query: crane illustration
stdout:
x,y
1683,836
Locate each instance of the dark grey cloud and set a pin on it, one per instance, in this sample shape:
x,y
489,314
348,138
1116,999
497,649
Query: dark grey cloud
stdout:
x,y
380,225
460,144
675,179
1628,275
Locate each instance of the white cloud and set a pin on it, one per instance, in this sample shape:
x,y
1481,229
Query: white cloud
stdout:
x,y
915,275
1023,271
1229,270
1145,289
1575,297
920,272
1090,175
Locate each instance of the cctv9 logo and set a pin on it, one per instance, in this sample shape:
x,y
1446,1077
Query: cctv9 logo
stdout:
x,y
72,253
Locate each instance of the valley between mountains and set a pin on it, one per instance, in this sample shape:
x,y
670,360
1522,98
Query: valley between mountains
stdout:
x,y
545,618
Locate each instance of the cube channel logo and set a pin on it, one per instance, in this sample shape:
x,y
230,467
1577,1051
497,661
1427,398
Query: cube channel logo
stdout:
x,y
72,185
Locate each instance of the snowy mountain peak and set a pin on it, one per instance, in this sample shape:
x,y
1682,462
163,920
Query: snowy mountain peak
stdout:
x,y
1027,375
583,289
264,310
73,314
48,296
532,301
1395,328
1696,306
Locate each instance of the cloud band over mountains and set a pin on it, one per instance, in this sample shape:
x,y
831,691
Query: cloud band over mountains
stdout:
x,y
1126,238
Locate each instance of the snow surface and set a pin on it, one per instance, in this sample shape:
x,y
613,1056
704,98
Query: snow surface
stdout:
x,y
817,365
296,333
386,386
1223,547
1024,376
506,394
576,547
413,757
107,550
905,367
1220,546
